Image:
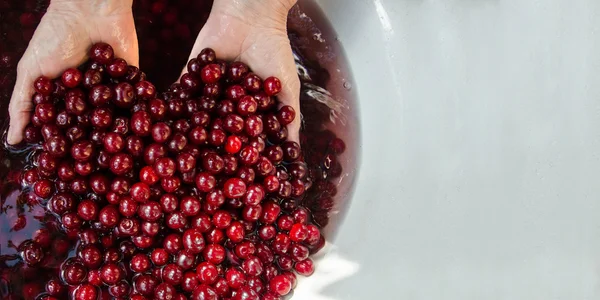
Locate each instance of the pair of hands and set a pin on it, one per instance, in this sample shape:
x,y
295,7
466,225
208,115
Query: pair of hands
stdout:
x,y
251,31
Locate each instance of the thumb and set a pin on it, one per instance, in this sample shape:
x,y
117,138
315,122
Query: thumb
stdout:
x,y
21,105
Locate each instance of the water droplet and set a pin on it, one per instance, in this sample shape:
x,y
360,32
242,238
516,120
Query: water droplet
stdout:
x,y
347,85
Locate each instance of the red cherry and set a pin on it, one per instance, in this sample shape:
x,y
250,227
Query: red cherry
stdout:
x,y
233,144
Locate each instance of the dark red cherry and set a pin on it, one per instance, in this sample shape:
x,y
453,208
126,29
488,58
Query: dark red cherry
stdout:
x,y
43,85
71,78
124,95
102,53
145,90
252,83
206,56
211,73
272,86
117,68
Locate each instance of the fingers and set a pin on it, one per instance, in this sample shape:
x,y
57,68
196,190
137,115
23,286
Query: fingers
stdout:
x,y
20,106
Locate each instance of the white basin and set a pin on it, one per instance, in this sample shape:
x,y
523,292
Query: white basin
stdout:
x,y
480,152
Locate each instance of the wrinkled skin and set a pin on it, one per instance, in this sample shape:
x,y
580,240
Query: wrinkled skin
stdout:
x,y
255,33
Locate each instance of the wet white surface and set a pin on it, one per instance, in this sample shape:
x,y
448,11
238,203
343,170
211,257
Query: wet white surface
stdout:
x,y
480,152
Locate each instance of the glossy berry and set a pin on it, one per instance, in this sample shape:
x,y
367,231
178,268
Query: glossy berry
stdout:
x,y
111,274
55,288
286,115
109,216
113,142
214,253
150,211
74,273
272,86
206,56
121,163
207,273
86,292
186,162
190,206
148,175
221,219
140,123
193,240
32,254
169,203
281,285
234,188
237,71
211,73
235,232
145,284
87,210
43,85
249,155
305,268
253,126
43,188
140,192
164,291
71,78
145,90
45,112
159,257
252,83
102,53
120,289
233,144
235,278
161,132
117,68
235,92
82,150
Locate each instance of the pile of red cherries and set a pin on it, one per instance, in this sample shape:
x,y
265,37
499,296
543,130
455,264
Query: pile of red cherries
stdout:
x,y
188,194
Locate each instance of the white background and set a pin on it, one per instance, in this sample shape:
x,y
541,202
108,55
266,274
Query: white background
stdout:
x,y
480,174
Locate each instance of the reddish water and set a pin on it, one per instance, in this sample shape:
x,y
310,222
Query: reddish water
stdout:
x,y
327,102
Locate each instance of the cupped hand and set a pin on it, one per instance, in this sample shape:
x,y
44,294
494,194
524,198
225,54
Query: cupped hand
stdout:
x,y
255,33
62,40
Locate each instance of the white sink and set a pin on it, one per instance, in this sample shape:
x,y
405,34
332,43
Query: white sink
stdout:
x,y
480,152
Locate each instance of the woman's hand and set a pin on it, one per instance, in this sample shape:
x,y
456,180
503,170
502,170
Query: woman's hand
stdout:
x,y
255,32
62,40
